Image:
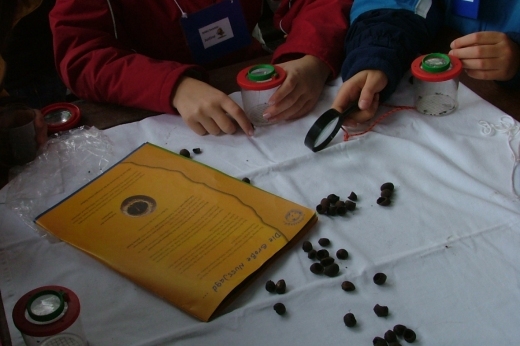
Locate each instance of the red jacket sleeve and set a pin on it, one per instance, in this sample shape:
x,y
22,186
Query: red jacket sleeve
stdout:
x,y
314,27
94,58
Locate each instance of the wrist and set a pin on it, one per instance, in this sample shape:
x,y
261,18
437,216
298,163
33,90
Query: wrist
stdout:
x,y
321,67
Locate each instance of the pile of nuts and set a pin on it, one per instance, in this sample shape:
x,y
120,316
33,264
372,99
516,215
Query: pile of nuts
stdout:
x,y
332,205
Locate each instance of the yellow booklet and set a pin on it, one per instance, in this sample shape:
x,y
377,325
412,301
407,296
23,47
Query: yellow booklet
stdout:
x,y
189,233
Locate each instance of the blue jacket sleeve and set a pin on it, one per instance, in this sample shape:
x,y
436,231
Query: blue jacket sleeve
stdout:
x,y
513,83
388,40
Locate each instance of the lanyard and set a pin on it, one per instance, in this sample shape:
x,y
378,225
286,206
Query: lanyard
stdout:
x,y
184,14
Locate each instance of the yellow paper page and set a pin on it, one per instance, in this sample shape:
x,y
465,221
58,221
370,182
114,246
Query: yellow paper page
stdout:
x,y
187,232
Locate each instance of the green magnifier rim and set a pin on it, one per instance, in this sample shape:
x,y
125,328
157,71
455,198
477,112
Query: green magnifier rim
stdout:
x,y
442,62
50,316
261,72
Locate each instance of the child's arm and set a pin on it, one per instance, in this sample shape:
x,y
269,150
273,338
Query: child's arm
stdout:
x,y
489,55
385,40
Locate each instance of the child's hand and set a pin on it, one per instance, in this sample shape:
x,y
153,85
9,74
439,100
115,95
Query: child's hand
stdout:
x,y
365,86
205,109
301,89
487,55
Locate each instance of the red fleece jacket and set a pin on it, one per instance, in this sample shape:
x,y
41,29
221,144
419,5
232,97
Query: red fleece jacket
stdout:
x,y
132,52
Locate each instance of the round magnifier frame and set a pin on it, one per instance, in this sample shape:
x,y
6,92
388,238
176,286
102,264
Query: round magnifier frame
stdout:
x,y
56,122
261,72
327,126
428,64
50,316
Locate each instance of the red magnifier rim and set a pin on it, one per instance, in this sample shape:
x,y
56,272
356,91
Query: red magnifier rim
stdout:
x,y
248,84
41,330
452,72
63,106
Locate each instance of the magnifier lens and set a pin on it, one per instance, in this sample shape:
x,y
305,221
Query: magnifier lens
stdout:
x,y
59,116
326,127
45,305
329,130
260,71
435,62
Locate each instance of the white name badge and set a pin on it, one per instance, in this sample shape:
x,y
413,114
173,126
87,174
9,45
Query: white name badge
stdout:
x,y
215,33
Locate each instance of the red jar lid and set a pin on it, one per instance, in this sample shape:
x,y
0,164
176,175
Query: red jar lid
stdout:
x,y
61,116
27,327
433,74
261,77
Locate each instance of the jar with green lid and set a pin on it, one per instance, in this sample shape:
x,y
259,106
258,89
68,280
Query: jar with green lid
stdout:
x,y
258,83
436,83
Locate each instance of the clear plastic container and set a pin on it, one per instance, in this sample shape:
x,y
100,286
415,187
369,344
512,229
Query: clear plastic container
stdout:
x,y
258,83
49,316
436,83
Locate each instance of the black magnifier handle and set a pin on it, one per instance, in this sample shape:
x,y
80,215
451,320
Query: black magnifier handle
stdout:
x,y
326,127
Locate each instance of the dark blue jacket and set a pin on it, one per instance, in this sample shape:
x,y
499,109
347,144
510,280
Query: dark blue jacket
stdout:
x,y
390,39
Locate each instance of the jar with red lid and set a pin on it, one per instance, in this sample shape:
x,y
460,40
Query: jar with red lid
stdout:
x,y
49,316
436,83
258,83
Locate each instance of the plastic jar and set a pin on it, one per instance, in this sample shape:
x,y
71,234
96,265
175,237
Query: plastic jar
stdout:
x,y
436,83
49,316
257,84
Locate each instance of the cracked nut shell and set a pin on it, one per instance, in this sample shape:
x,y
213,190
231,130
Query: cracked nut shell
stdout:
x,y
327,261
383,201
331,270
399,329
316,268
342,254
379,278
321,254
379,341
351,206
184,152
307,246
381,311
279,308
390,336
324,241
347,286
349,320
387,186
280,287
409,335
270,286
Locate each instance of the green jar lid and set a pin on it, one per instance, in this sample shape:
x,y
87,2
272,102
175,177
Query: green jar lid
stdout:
x,y
436,62
261,72
46,305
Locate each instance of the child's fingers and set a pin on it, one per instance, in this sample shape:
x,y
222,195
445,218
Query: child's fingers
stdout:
x,y
477,38
375,82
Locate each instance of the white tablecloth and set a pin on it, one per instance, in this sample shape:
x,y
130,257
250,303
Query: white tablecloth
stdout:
x,y
449,243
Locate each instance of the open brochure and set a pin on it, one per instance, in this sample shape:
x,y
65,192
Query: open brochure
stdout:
x,y
189,233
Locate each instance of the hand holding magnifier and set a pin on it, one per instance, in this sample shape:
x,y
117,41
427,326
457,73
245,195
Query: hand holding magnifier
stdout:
x,y
326,127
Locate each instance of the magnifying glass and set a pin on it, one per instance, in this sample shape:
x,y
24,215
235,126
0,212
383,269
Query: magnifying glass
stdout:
x,y
326,127
61,116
